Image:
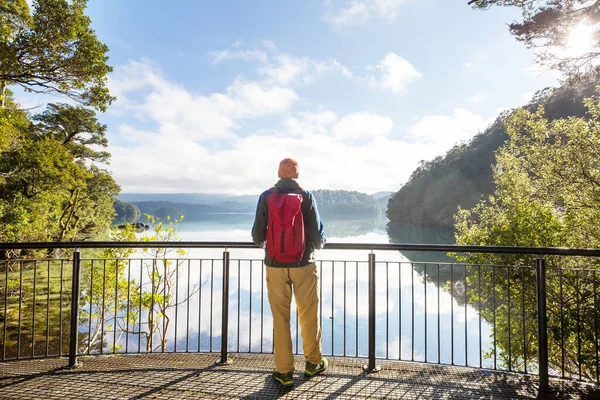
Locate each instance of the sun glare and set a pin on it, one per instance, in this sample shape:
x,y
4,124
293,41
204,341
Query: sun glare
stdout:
x,y
580,40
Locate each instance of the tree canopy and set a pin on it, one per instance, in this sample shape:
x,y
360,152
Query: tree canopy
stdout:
x,y
49,190
53,50
551,27
53,185
464,174
547,178
547,194
76,128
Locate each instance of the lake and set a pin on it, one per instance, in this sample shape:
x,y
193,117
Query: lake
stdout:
x,y
440,326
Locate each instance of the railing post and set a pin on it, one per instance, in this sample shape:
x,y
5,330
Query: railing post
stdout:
x,y
74,336
225,311
371,367
542,325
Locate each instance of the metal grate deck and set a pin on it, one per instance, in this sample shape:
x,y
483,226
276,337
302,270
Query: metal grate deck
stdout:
x,y
194,376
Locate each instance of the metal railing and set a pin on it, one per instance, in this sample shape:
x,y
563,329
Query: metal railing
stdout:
x,y
483,316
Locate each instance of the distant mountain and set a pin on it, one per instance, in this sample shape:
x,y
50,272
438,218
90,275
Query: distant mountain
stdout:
x,y
332,204
192,198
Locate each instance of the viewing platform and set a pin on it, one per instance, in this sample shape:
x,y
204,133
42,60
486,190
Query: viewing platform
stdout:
x,y
150,326
195,376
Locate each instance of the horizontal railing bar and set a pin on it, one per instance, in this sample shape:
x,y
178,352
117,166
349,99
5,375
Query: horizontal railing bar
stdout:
x,y
160,258
447,264
329,246
30,260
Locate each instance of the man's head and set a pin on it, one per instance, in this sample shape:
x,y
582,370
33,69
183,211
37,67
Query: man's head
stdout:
x,y
288,168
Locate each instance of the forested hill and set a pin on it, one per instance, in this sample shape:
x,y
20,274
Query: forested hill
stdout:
x,y
461,177
347,204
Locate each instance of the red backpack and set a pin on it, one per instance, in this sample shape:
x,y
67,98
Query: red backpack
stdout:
x,y
285,230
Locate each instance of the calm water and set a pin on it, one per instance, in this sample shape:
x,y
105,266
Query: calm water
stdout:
x,y
425,331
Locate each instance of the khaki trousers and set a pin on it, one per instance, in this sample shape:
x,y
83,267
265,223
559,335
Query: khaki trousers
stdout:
x,y
305,283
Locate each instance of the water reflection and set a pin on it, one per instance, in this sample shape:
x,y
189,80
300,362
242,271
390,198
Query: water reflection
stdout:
x,y
337,227
418,318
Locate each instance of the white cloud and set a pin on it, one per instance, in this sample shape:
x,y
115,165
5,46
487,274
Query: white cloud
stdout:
x,y
190,142
286,70
177,112
244,55
362,125
270,46
395,74
279,68
479,98
309,123
357,12
477,58
443,131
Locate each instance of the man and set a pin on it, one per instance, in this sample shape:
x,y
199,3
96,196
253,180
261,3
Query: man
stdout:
x,y
290,266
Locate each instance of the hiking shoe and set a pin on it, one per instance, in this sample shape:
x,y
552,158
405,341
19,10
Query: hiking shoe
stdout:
x,y
285,380
314,369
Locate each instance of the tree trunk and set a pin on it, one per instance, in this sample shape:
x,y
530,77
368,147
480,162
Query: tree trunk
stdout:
x,y
2,93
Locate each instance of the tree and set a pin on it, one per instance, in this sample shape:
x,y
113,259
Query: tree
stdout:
x,y
125,306
41,182
463,176
547,194
77,128
126,212
163,274
47,196
104,291
551,25
53,50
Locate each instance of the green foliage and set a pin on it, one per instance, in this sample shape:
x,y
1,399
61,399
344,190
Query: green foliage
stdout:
x,y
36,292
47,192
53,50
126,212
122,305
50,190
14,15
106,289
464,175
547,195
76,128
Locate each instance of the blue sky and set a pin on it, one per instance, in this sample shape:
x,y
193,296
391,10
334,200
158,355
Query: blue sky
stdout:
x,y
212,94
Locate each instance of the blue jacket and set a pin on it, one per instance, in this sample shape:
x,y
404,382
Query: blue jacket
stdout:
x,y
314,235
